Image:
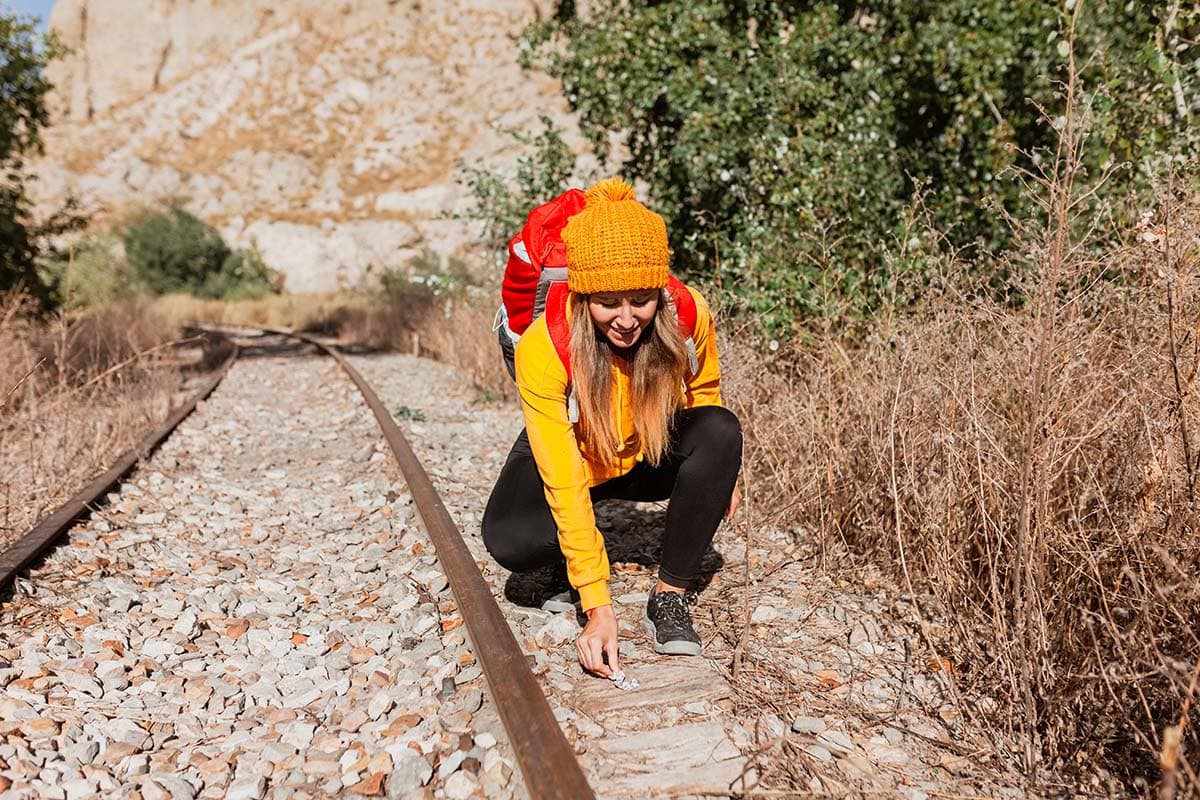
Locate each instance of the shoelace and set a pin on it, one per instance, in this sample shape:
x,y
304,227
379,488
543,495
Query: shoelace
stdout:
x,y
673,608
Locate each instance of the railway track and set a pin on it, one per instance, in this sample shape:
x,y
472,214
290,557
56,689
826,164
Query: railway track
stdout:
x,y
531,732
547,761
256,613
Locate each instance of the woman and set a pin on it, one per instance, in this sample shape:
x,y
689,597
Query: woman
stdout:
x,y
650,427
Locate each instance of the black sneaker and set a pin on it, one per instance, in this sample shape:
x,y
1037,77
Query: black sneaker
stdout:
x,y
564,601
668,623
546,588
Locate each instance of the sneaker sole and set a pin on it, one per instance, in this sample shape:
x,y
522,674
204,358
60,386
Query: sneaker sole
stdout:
x,y
559,606
678,648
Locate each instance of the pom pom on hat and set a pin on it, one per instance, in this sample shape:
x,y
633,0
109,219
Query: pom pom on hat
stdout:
x,y
610,189
615,244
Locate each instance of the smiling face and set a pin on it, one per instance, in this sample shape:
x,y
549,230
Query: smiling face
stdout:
x,y
622,316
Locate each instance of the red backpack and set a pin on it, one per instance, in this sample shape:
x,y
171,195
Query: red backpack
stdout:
x,y
535,283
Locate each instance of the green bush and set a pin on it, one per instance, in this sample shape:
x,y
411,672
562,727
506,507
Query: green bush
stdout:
x,y
426,282
90,273
174,251
243,275
427,289
789,143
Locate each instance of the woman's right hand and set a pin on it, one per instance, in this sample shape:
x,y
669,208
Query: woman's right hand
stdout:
x,y
599,638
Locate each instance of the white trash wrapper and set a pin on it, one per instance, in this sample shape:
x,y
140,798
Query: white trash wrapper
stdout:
x,y
623,681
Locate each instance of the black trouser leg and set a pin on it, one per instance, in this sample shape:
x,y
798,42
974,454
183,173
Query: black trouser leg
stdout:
x,y
709,450
518,528
697,475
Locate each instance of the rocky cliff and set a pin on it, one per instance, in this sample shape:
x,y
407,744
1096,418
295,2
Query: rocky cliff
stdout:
x,y
326,134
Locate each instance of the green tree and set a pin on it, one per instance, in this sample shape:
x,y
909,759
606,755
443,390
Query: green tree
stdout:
x,y
543,172
786,141
24,53
175,251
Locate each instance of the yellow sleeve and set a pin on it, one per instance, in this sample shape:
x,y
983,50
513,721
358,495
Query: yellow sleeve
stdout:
x,y
704,388
542,384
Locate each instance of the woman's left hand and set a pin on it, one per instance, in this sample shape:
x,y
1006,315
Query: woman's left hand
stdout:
x,y
734,501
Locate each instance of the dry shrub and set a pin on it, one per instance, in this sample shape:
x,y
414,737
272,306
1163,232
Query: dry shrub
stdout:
x,y
462,335
75,392
304,312
456,331
1035,469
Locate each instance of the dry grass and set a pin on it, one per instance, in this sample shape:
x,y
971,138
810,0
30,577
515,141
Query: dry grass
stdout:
x,y
75,393
303,312
1033,466
1035,469
456,332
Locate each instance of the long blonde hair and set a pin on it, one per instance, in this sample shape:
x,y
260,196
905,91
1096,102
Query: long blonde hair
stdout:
x,y
657,366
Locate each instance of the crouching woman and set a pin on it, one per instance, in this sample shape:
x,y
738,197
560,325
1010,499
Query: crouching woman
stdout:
x,y
637,417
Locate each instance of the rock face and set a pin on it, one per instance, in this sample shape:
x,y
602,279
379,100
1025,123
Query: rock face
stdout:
x,y
326,134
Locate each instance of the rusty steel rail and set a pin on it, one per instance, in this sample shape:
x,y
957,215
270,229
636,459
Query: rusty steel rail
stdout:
x,y
42,535
547,761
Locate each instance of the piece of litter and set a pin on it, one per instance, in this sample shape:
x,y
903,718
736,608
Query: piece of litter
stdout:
x,y
623,681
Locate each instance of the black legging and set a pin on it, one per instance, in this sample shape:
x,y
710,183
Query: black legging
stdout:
x,y
697,474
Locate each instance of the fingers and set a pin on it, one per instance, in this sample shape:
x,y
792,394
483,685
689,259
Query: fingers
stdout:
x,y
591,650
735,501
614,663
599,639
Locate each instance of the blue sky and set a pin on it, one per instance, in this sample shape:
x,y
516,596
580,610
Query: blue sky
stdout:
x,y
34,8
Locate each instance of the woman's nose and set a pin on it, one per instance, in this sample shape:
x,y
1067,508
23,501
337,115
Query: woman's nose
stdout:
x,y
626,316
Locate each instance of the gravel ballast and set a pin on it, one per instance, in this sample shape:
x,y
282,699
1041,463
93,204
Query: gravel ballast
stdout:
x,y
257,612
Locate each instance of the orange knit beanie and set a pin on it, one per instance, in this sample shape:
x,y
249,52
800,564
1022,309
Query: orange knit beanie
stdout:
x,y
615,244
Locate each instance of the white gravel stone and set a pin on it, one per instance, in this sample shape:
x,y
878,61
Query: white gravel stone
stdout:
x,y
81,684
836,742
558,630
817,751
379,704
808,725
82,752
887,754
460,786
176,787
764,614
125,731
187,625
450,764
410,773
159,648
249,788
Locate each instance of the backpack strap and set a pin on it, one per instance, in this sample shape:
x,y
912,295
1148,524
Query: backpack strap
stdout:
x,y
676,293
685,311
556,323
560,337
685,304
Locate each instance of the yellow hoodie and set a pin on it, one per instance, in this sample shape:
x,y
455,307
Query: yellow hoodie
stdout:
x,y
567,471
